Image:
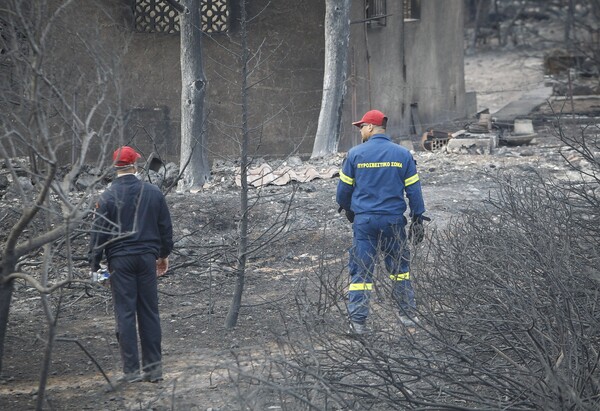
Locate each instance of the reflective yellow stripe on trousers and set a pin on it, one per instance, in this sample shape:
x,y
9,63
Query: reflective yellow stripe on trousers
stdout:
x,y
400,277
360,286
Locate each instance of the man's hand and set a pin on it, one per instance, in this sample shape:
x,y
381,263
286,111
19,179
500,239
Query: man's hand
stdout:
x,y
162,265
416,231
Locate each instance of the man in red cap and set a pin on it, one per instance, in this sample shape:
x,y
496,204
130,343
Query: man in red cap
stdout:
x,y
132,226
374,180
125,157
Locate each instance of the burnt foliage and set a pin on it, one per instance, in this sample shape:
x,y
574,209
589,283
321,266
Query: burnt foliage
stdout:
x,y
508,307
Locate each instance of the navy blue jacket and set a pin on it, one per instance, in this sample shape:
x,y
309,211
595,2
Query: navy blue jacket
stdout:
x,y
132,218
375,177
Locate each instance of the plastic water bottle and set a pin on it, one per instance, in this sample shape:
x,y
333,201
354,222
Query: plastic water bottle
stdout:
x,y
100,276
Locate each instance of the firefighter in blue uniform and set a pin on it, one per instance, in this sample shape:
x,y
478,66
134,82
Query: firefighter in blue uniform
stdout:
x,y
132,226
374,180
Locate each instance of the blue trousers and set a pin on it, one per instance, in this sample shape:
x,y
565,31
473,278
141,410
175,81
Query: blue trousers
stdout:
x,y
135,298
375,233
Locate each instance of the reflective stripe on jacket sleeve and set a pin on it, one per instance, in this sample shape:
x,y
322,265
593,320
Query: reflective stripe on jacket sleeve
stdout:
x,y
345,179
411,180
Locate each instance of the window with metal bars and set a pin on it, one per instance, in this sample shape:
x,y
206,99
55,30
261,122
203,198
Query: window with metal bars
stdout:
x,y
159,16
375,11
412,9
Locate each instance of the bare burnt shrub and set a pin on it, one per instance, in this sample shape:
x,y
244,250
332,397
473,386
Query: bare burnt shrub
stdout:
x,y
510,291
508,307
582,153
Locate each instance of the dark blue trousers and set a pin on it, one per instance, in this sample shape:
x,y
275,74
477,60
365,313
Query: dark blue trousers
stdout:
x,y
375,233
135,297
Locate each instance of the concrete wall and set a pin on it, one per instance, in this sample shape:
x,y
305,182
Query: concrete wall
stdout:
x,y
287,79
129,81
406,62
435,61
287,44
286,72
375,70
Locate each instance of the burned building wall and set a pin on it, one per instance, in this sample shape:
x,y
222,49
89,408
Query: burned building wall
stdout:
x,y
286,48
409,64
394,63
435,62
285,82
284,85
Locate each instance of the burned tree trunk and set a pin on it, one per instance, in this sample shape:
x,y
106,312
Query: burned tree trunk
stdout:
x,y
236,301
193,161
6,290
337,37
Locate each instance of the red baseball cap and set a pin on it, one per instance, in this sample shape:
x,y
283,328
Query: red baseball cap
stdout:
x,y
125,156
374,117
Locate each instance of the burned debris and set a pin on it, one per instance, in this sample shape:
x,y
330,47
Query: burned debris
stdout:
x,y
481,136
